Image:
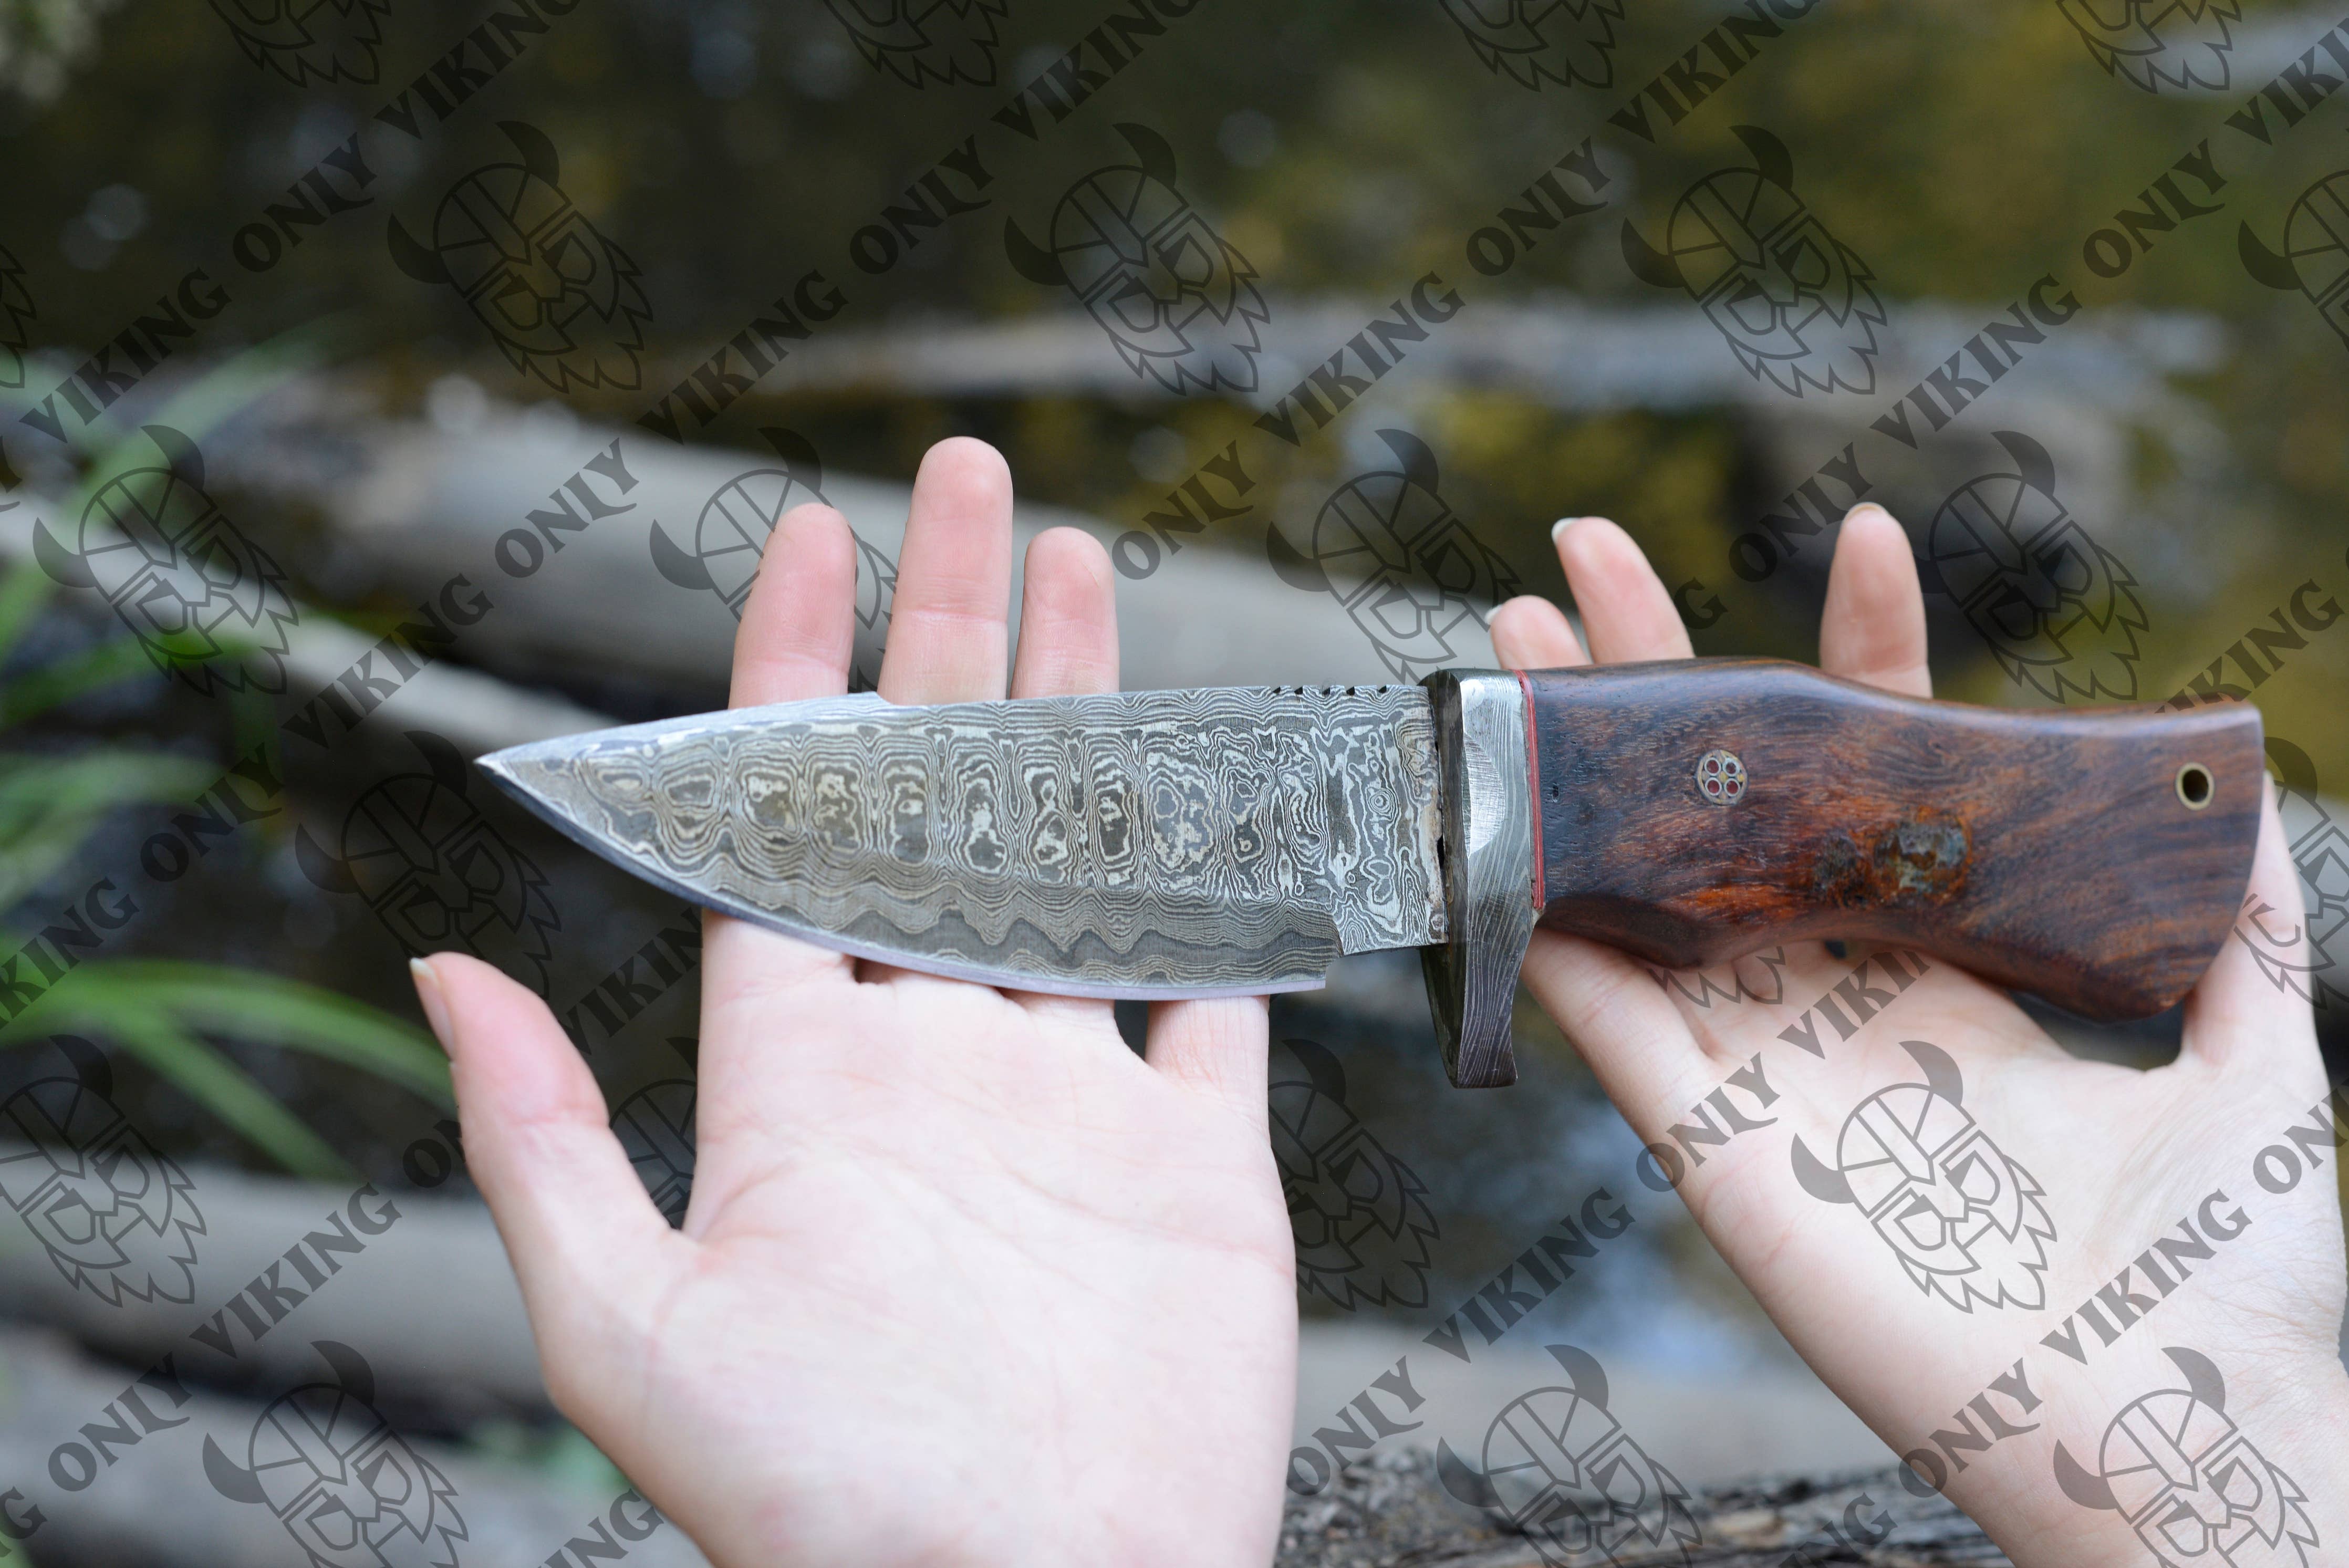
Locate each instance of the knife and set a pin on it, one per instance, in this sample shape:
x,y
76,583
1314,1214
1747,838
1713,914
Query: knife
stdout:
x,y
1236,840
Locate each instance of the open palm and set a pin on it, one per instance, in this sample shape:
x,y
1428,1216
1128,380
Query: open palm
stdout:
x,y
1921,1188
962,1280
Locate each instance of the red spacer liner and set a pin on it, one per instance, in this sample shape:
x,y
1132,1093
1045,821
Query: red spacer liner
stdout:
x,y
1533,781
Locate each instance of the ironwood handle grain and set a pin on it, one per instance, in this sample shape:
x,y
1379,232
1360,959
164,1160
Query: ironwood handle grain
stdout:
x,y
2053,852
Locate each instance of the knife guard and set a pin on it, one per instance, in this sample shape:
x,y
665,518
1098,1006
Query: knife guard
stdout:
x,y
1692,812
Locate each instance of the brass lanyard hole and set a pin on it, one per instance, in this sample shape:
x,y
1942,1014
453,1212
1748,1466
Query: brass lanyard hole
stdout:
x,y
2194,786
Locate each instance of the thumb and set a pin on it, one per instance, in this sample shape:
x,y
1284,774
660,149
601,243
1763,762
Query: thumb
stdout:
x,y
582,1232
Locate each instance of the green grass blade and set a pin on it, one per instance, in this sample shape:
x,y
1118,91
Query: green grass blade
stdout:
x,y
34,784
224,1088
204,407
50,805
208,403
270,1010
24,592
38,691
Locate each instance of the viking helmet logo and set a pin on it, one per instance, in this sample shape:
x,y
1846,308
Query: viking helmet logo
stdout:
x,y
2193,1487
1794,303
309,40
1533,41
206,603
114,1214
16,314
655,1124
731,534
1965,1221
1756,977
1387,547
434,871
2306,958
564,302
925,41
2058,611
1560,1470
2158,44
349,1488
1178,302
2314,261
1401,560
1360,1214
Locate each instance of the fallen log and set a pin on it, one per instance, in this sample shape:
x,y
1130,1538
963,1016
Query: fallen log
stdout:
x,y
165,1494
1394,1512
431,1299
651,589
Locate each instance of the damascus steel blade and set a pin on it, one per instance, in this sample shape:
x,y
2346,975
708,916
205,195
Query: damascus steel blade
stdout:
x,y
1147,844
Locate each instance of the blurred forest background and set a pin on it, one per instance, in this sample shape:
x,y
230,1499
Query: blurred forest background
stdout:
x,y
369,438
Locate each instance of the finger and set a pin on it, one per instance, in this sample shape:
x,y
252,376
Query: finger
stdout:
x,y
590,1250
947,636
1068,646
1638,1044
1626,613
797,637
881,971
1216,1046
2241,1014
1635,1039
799,626
1531,633
1873,628
1068,618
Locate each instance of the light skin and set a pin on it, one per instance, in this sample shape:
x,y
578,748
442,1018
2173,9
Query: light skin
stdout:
x,y
964,1281
2122,1155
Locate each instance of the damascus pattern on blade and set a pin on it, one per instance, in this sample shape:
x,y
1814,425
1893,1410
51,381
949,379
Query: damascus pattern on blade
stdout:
x,y
1155,843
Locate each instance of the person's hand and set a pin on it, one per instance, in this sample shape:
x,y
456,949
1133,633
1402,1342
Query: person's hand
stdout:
x,y
962,1280
2079,1168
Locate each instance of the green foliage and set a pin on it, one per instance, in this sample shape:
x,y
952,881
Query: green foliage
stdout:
x,y
51,803
159,1011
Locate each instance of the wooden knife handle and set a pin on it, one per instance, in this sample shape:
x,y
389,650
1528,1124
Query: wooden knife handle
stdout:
x,y
1692,812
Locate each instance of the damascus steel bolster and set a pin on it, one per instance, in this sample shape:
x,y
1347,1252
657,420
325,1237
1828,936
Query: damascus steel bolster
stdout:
x,y
1487,854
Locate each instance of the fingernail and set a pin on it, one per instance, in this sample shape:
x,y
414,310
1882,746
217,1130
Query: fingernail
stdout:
x,y
435,1001
1560,527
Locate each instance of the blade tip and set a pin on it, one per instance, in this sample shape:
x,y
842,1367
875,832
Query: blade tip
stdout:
x,y
513,768
500,766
